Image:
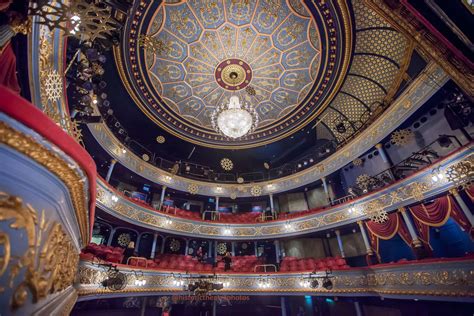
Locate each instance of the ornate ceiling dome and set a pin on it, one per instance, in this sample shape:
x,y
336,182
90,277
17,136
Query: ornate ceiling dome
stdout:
x,y
185,58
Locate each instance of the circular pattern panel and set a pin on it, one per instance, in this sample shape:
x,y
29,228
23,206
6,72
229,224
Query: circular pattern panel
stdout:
x,y
184,59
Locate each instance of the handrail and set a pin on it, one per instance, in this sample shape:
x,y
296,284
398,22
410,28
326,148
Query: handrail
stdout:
x,y
264,266
389,175
342,200
168,209
214,215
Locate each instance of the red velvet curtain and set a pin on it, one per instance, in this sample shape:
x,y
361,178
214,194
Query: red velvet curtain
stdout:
x,y
4,4
8,69
436,214
387,230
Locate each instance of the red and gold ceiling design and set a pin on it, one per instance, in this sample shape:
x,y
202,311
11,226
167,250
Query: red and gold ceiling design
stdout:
x,y
184,58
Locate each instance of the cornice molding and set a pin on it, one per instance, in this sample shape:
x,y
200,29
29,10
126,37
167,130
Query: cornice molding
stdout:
x,y
422,88
415,188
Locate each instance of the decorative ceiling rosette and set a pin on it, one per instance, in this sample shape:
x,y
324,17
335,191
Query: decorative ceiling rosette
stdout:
x,y
240,180
283,58
227,164
402,137
193,188
145,157
175,245
221,248
160,139
357,162
256,190
124,239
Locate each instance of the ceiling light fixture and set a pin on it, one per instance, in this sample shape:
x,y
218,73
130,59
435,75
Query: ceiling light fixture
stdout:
x,y
234,119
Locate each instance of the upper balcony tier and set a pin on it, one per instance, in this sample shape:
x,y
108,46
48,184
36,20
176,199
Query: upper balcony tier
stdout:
x,y
412,189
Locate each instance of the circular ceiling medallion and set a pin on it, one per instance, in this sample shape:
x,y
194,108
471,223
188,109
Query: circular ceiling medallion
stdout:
x,y
285,58
233,74
160,139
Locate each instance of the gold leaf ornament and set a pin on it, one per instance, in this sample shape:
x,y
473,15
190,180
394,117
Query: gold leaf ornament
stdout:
x,y
193,188
256,190
227,164
402,137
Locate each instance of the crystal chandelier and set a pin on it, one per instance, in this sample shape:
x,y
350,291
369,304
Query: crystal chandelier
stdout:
x,y
234,119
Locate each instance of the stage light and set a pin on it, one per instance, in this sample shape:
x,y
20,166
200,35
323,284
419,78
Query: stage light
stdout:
x,y
124,151
327,284
114,198
314,284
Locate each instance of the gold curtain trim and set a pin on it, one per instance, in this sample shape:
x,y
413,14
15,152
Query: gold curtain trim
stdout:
x,y
448,214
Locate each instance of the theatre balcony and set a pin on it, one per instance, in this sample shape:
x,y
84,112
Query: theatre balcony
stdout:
x,y
236,157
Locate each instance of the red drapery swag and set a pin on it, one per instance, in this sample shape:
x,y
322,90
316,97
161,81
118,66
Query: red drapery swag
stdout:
x,y
436,214
387,230
470,192
8,69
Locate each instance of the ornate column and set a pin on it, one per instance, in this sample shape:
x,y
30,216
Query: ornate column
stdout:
x,y
137,244
214,216
411,229
283,306
111,168
162,198
326,190
255,248
365,238
418,248
111,237
385,158
357,308
153,247
272,207
339,243
232,245
462,205
277,250
215,251
186,249
163,245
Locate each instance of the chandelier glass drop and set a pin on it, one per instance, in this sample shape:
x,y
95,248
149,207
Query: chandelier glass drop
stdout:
x,y
234,119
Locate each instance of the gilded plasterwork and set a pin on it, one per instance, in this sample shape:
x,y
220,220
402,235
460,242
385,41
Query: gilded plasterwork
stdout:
x,y
54,163
50,261
292,61
434,279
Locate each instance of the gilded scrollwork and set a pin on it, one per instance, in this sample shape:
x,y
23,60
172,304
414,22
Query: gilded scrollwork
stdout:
x,y
50,261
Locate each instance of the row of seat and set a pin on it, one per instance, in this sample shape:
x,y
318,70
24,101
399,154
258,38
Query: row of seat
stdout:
x,y
290,264
104,252
177,262
243,217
